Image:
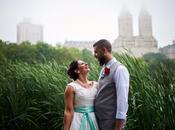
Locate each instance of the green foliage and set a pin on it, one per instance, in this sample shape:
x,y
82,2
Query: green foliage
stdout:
x,y
37,53
152,57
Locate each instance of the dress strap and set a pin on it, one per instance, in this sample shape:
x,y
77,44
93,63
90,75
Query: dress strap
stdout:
x,y
86,117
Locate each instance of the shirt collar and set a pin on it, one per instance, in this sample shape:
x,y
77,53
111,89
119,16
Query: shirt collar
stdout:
x,y
113,60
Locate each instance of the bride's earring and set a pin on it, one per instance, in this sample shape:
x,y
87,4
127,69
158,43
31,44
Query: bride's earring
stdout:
x,y
77,71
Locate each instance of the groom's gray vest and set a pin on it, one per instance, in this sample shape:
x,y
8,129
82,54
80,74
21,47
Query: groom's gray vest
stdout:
x,y
105,102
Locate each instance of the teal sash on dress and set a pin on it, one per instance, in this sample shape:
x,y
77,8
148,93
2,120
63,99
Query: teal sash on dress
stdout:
x,y
86,117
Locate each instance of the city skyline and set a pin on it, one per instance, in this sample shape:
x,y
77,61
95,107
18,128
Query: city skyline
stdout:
x,y
85,20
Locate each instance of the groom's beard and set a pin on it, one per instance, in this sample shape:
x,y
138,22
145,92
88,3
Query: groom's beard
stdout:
x,y
101,60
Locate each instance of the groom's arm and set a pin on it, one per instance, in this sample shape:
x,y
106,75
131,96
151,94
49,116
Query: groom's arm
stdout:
x,y
121,78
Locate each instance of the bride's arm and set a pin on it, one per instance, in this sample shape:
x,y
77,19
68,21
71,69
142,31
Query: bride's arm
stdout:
x,y
69,107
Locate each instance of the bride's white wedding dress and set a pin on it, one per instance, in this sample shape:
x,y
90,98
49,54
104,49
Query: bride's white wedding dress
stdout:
x,y
83,98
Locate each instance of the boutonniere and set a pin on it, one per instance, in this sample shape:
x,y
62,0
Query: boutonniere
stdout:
x,y
105,72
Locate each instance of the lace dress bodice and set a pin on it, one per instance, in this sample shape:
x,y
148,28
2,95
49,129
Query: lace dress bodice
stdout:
x,y
83,96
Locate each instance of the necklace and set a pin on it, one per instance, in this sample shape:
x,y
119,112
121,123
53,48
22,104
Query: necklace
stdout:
x,y
85,85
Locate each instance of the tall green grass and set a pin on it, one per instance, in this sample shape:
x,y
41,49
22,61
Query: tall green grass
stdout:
x,y
32,96
151,95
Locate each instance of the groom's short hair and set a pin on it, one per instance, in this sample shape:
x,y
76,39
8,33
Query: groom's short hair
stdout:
x,y
103,43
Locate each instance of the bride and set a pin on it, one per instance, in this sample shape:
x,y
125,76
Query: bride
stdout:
x,y
79,98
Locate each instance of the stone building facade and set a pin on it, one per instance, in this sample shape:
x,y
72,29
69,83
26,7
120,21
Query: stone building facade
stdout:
x,y
80,44
169,51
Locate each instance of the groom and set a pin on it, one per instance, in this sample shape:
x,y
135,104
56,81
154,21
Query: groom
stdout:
x,y
111,103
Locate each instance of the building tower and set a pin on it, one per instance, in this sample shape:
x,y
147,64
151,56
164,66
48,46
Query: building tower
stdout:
x,y
125,24
145,24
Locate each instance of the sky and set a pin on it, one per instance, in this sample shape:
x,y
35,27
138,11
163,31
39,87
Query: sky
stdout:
x,y
85,20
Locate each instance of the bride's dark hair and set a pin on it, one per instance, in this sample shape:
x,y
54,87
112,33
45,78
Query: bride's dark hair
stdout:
x,y
72,68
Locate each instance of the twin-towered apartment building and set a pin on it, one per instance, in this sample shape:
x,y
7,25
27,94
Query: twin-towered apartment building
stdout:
x,y
126,42
138,45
